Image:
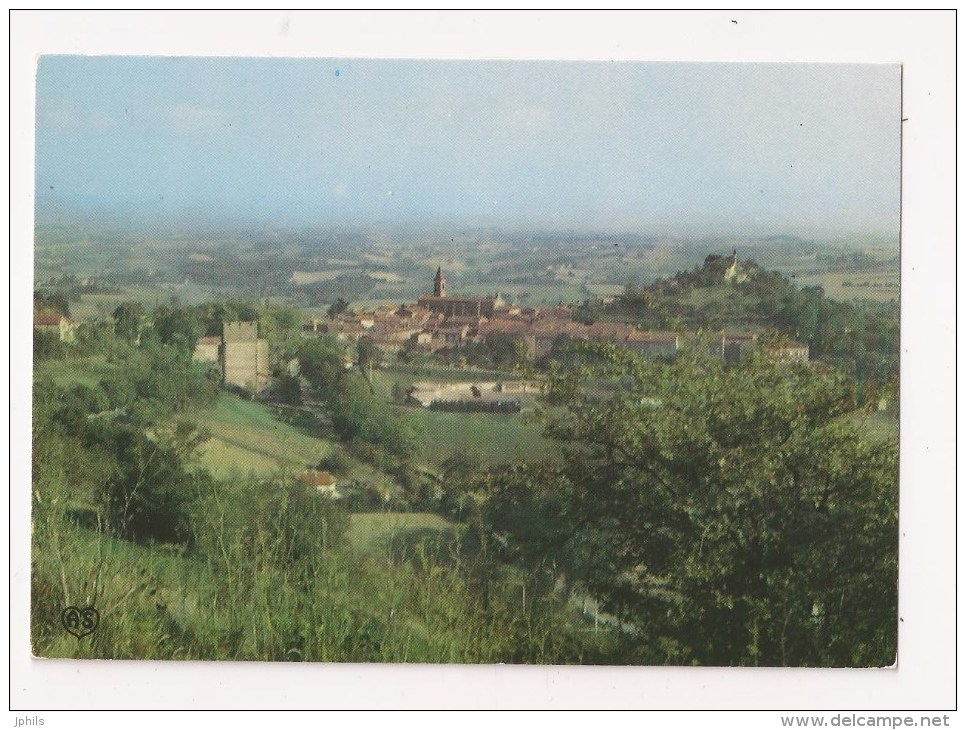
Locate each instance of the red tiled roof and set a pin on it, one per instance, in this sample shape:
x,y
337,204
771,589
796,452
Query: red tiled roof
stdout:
x,y
505,327
551,328
317,478
47,320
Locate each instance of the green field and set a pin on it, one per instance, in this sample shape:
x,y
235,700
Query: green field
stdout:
x,y
874,285
246,436
93,306
377,597
372,532
606,290
224,459
249,437
496,438
876,425
531,294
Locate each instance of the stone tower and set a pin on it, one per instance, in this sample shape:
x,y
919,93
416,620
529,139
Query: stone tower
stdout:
x,y
439,283
244,356
733,274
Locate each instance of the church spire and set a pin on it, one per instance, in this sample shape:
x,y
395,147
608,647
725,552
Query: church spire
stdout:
x,y
439,283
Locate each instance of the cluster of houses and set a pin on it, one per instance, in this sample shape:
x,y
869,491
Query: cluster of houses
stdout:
x,y
441,322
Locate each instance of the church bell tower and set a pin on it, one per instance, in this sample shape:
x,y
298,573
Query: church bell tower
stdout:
x,y
439,283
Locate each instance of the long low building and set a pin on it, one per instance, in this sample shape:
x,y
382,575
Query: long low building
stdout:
x,y
427,393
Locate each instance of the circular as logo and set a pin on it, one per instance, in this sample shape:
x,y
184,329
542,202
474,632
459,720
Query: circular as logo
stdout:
x,y
80,621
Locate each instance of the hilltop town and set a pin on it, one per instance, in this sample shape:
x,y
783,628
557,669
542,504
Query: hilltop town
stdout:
x,y
448,326
442,322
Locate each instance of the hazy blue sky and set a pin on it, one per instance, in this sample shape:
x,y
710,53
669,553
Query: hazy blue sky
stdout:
x,y
690,146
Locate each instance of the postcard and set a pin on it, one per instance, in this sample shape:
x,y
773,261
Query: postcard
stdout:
x,y
466,362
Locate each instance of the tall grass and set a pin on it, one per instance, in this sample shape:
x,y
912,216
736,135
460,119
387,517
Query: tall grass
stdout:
x,y
259,587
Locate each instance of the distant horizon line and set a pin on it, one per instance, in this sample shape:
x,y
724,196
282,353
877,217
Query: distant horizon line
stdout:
x,y
135,218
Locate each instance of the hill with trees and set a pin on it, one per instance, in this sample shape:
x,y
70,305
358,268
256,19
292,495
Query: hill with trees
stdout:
x,y
860,338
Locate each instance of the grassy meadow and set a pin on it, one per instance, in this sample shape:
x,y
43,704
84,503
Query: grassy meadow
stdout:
x,y
373,586
874,285
249,437
88,371
374,532
495,438
245,436
377,598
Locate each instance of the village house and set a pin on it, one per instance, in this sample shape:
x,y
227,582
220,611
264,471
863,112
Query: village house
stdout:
x,y
653,344
55,323
322,480
733,346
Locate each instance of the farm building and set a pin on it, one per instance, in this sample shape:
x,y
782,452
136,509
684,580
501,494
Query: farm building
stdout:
x,y
55,323
788,352
322,480
207,349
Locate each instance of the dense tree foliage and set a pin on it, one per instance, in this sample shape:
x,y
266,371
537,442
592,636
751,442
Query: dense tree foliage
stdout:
x,y
277,523
497,350
127,320
322,362
51,302
107,449
357,413
148,496
368,355
732,516
339,306
47,346
178,327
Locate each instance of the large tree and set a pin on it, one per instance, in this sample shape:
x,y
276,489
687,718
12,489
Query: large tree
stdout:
x,y
127,320
732,515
